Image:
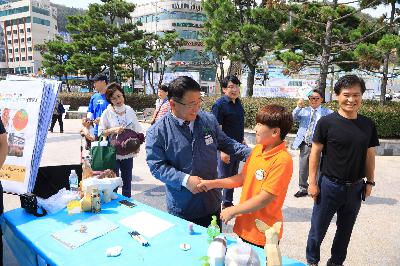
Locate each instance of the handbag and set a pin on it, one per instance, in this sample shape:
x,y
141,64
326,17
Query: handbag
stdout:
x,y
127,142
29,203
103,157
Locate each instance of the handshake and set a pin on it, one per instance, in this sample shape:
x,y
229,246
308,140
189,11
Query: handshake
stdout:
x,y
196,184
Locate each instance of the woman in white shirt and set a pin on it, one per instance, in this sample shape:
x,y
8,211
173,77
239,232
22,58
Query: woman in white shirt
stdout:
x,y
114,120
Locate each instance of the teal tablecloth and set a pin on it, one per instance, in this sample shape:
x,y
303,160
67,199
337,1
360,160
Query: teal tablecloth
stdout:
x,y
32,244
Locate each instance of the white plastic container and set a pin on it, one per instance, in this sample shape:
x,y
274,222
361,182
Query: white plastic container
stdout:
x,y
216,251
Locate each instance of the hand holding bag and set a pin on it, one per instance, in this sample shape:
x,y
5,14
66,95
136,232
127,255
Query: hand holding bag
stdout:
x,y
103,157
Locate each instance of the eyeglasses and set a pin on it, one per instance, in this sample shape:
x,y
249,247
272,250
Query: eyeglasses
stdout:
x,y
314,98
191,105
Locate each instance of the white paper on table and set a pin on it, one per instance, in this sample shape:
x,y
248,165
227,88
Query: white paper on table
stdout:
x,y
146,224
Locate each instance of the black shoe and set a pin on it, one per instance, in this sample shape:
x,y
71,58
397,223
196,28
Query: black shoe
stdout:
x,y
301,193
62,131
226,205
329,263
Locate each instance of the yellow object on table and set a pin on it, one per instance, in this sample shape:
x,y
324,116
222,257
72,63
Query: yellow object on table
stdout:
x,y
74,207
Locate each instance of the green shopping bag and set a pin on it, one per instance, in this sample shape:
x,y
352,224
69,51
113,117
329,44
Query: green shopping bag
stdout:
x,y
103,157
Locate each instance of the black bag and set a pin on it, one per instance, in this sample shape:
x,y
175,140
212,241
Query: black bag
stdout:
x,y
29,203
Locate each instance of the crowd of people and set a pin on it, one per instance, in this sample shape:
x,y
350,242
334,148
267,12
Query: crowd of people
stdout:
x,y
197,153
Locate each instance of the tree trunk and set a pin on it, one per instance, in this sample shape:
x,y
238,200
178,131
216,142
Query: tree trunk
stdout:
x,y
67,83
250,80
386,57
133,79
111,66
222,75
384,78
326,52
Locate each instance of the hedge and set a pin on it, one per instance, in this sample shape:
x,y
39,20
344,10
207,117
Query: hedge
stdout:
x,y
136,101
386,118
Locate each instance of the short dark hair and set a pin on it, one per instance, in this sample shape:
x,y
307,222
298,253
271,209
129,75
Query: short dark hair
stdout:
x,y
179,86
163,87
273,116
111,89
317,91
348,81
99,77
231,78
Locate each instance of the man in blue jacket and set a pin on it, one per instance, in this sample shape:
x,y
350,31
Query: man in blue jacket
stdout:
x,y
308,118
182,149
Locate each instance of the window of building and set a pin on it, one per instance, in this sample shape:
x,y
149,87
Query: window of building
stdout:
x,y
28,29
21,30
8,32
9,42
14,11
10,51
22,50
15,31
40,11
29,39
23,59
17,59
15,40
30,57
16,50
29,49
40,21
22,39
10,60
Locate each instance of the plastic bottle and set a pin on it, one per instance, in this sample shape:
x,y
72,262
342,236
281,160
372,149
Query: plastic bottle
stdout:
x,y
213,229
73,181
216,251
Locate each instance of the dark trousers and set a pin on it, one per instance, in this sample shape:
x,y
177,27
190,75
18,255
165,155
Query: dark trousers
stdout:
x,y
205,221
333,198
227,170
125,166
60,122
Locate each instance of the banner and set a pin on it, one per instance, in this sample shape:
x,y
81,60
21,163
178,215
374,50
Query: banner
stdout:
x,y
26,107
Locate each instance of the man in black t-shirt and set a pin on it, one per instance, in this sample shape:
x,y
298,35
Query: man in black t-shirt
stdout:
x,y
3,155
347,141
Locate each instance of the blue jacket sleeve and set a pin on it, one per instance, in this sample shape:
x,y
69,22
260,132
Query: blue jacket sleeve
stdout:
x,y
297,112
90,107
231,146
157,161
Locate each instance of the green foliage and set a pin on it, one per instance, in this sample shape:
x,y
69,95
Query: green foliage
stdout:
x,y
137,101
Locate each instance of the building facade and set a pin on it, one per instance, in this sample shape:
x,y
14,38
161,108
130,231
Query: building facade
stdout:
x,y
186,18
23,24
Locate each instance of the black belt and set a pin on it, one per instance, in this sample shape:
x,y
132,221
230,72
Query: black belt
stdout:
x,y
343,182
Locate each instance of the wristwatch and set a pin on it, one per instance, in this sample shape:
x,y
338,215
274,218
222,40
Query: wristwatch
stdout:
x,y
372,183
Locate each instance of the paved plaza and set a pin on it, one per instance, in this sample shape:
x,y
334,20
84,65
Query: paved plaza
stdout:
x,y
375,239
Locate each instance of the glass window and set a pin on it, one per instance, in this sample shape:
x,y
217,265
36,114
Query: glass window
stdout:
x,y
29,49
17,59
40,21
15,31
15,40
22,50
30,57
10,51
29,39
9,42
28,29
40,11
22,39
10,60
23,59
21,30
14,11
8,32
16,50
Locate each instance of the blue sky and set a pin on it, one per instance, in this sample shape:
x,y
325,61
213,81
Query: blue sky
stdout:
x,y
85,4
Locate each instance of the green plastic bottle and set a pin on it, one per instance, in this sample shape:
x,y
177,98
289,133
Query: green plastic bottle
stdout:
x,y
213,229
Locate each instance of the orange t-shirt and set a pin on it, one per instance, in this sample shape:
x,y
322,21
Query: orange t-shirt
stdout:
x,y
270,171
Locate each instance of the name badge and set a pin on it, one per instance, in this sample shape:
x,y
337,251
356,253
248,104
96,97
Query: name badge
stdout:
x,y
208,139
260,174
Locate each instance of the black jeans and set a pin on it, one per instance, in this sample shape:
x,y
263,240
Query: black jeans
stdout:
x,y
60,122
227,170
345,200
